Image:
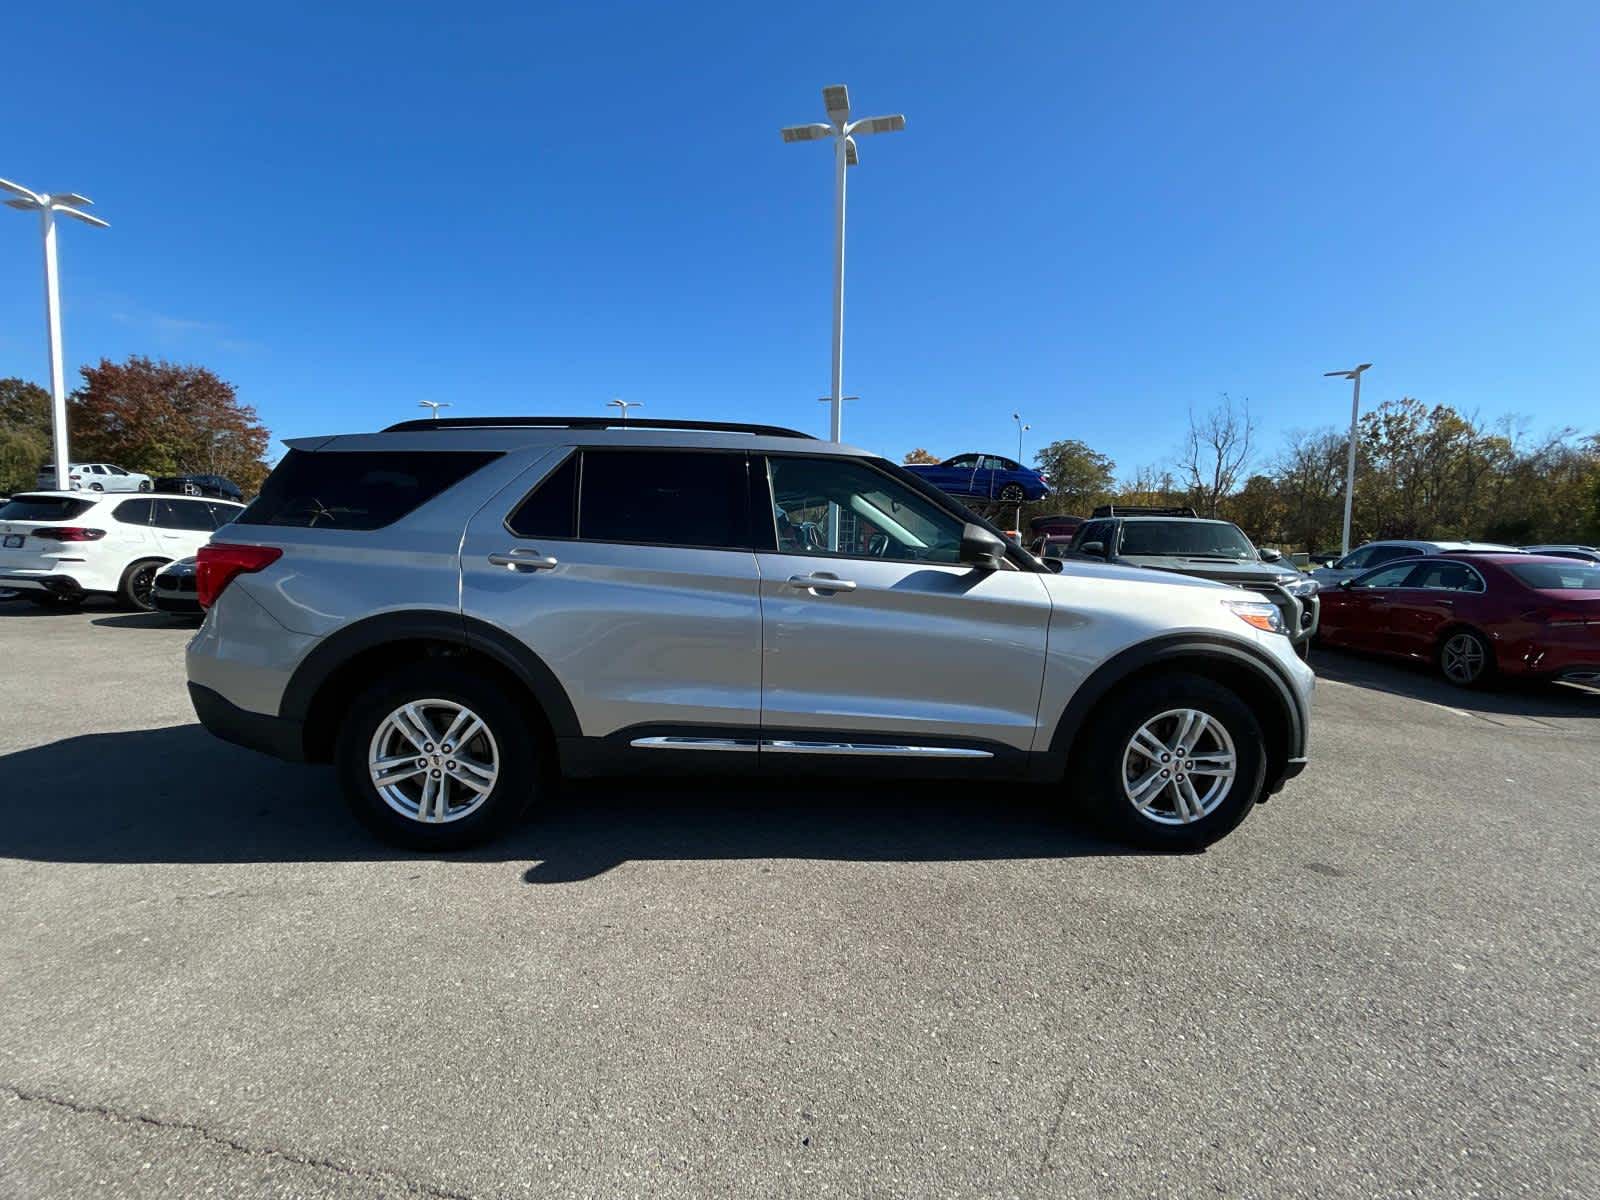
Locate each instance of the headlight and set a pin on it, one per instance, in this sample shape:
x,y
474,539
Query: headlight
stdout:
x,y
1302,587
1263,614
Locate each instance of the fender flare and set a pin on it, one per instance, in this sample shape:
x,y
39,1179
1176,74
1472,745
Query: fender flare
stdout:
x,y
338,648
1184,646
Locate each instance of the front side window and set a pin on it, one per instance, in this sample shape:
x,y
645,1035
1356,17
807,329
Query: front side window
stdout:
x,y
221,514
1383,554
963,460
115,471
819,503
1387,577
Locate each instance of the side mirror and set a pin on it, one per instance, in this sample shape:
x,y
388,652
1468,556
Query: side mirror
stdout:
x,y
980,548
1270,555
1054,564
1093,549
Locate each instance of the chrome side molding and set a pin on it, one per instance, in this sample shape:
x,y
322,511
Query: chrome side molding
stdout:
x,y
692,743
790,746
787,746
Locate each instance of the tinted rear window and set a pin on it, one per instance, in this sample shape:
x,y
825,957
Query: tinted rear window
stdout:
x,y
357,489
664,498
1548,577
43,508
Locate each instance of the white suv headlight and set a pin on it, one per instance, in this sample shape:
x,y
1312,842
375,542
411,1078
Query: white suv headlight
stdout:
x,y
1263,614
1302,588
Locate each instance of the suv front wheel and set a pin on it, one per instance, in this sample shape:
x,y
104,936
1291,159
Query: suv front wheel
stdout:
x,y
1176,761
436,758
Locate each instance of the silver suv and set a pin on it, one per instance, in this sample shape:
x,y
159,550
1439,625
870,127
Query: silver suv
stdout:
x,y
457,612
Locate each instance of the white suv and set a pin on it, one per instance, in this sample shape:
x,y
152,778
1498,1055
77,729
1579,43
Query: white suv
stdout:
x,y
58,548
95,477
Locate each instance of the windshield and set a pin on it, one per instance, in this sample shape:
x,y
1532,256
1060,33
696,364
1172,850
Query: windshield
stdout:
x,y
43,508
1187,539
1551,577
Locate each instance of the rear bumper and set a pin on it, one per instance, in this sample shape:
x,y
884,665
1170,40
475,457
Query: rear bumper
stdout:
x,y
42,581
278,736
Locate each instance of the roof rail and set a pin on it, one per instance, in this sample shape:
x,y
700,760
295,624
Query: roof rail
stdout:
x,y
1144,510
423,424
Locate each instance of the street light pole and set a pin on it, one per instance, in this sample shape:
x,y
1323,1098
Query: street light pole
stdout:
x,y
624,405
436,405
843,131
69,204
1021,429
1350,458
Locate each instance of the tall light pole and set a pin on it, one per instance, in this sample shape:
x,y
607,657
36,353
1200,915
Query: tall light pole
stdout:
x,y
1350,460
68,204
844,132
1021,429
436,405
624,406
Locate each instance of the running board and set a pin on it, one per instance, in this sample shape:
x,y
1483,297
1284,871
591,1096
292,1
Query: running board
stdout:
x,y
789,746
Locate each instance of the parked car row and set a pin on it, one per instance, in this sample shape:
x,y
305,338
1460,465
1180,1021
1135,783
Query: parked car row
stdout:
x,y
59,548
1475,615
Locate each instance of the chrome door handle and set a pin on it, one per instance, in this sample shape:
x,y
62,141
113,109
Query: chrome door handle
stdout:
x,y
523,560
821,583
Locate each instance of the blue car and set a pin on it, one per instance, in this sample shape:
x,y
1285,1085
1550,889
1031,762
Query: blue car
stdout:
x,y
986,477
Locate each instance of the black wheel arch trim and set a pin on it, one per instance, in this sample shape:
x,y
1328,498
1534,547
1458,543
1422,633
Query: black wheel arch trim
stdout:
x,y
338,648
1216,647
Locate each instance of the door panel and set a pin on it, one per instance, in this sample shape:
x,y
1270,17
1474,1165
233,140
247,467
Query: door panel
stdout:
x,y
932,652
636,634
912,645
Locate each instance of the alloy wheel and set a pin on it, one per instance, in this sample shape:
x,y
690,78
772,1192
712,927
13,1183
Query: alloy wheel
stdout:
x,y
1462,658
1179,766
142,587
433,761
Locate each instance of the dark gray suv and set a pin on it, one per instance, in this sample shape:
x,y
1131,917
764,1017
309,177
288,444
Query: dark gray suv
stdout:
x,y
456,612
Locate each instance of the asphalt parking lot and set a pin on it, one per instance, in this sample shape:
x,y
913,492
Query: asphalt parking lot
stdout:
x,y
1384,984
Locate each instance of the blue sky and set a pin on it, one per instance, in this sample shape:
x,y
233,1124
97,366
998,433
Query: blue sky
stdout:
x,y
1100,215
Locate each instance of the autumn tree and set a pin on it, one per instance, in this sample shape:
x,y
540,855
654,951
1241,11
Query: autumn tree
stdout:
x,y
920,457
24,433
1258,509
165,419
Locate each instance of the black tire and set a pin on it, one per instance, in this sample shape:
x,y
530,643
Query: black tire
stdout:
x,y
525,757
97,487
1454,657
1100,768
138,581
51,600
1011,494
145,485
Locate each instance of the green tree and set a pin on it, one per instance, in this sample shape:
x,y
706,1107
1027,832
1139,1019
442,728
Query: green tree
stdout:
x,y
24,433
1080,478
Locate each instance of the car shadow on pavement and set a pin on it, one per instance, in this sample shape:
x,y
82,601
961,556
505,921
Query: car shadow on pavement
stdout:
x,y
179,795
1417,681
147,620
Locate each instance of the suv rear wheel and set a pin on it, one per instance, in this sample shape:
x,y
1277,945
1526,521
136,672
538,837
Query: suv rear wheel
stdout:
x,y
433,757
1177,761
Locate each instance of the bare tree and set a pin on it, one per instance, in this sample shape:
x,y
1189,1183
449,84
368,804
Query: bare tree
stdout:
x,y
1216,452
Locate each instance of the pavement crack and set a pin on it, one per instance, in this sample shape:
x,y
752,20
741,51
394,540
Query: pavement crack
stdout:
x,y
1054,1135
276,1153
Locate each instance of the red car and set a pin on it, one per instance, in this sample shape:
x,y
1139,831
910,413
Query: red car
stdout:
x,y
1475,615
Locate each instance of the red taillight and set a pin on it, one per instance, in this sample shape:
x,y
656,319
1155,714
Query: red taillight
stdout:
x,y
68,533
218,563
